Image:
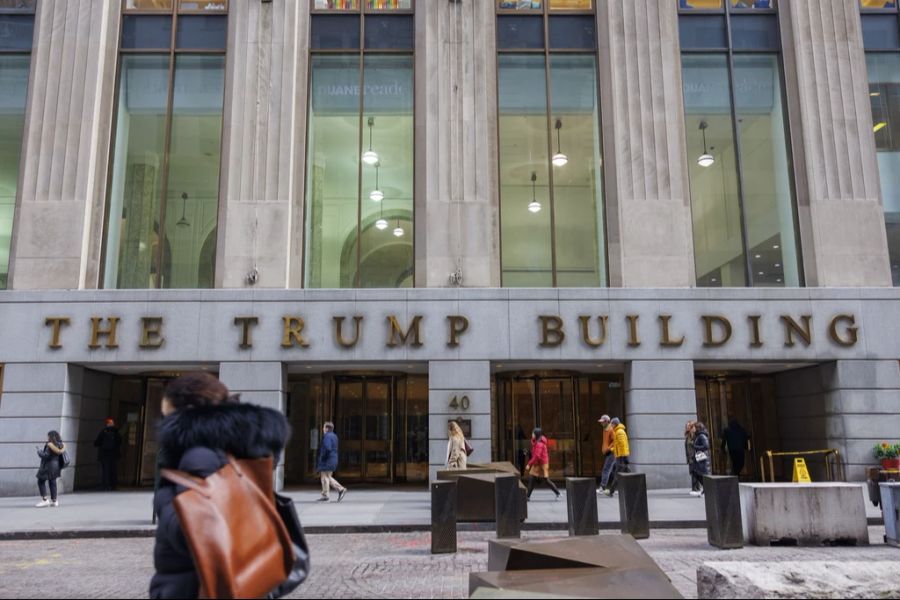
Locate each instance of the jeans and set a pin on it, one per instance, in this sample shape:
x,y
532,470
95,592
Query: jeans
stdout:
x,y
621,467
329,482
608,466
531,482
42,486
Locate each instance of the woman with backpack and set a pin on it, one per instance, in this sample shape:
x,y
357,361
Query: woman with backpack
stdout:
x,y
539,465
52,463
701,464
202,425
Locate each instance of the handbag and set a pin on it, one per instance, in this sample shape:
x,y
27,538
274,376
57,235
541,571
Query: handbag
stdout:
x,y
469,448
240,544
701,456
64,460
300,570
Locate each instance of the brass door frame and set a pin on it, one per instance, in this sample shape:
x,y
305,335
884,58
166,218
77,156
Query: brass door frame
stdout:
x,y
720,383
391,381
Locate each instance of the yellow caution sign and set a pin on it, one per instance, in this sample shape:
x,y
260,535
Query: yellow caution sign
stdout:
x,y
801,473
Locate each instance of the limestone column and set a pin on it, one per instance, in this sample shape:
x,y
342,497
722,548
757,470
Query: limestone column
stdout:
x,y
660,397
263,145
457,216
58,220
449,379
838,190
262,383
648,201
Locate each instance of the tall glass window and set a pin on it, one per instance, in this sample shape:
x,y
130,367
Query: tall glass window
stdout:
x,y
164,188
881,37
360,160
552,230
16,32
742,193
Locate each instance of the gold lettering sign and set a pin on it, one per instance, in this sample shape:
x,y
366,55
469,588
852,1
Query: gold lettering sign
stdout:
x,y
667,340
634,339
293,332
246,324
586,330
852,331
56,323
109,333
151,332
709,340
756,342
397,337
339,334
552,334
458,326
791,327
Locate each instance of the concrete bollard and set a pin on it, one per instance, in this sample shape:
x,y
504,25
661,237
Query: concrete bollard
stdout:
x,y
581,503
506,506
724,528
890,509
443,517
633,511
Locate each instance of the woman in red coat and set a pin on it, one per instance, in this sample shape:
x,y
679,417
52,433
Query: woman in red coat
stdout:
x,y
539,465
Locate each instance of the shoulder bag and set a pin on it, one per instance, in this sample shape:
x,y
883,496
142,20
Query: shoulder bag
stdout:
x,y
469,448
240,545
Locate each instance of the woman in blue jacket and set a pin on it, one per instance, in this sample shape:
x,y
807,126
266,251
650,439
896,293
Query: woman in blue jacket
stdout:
x,y
327,463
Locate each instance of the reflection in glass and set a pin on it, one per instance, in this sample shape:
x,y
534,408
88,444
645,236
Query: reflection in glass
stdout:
x,y
348,244
571,4
132,238
155,5
13,91
192,193
519,4
388,4
751,4
877,4
26,6
700,4
884,93
337,5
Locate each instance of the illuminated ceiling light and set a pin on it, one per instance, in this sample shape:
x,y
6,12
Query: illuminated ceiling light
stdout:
x,y
398,232
777,265
762,273
778,280
879,127
381,223
714,280
534,206
376,195
758,256
706,159
776,247
370,157
559,159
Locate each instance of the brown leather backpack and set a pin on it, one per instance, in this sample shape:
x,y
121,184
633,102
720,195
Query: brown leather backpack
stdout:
x,y
239,543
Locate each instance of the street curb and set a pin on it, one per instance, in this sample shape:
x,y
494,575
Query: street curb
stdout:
x,y
68,534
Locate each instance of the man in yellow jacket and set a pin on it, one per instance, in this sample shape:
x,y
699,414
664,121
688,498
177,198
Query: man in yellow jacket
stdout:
x,y
622,452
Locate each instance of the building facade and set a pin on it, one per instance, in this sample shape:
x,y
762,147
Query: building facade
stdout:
x,y
396,213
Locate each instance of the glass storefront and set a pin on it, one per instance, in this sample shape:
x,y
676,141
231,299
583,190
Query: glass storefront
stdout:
x,y
566,406
164,190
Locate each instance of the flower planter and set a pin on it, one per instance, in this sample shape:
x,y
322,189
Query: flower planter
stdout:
x,y
890,463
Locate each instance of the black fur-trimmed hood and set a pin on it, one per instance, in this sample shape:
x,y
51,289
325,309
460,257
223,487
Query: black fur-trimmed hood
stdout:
x,y
243,430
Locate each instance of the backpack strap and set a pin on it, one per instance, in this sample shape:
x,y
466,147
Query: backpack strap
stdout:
x,y
191,482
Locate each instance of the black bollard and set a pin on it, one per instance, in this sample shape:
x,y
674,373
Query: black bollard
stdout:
x,y
633,511
443,517
506,506
724,527
581,502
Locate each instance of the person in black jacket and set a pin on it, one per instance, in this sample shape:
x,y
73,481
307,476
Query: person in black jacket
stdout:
x,y
108,444
702,458
50,469
734,441
202,423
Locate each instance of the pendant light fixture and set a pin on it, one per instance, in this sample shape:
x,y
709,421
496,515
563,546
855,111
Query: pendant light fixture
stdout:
x,y
706,159
370,157
376,195
381,224
559,159
398,232
183,222
534,206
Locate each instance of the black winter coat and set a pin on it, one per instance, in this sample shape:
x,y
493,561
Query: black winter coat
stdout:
x,y
51,463
196,440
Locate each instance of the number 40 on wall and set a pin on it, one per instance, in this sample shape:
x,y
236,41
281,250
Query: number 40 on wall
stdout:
x,y
458,402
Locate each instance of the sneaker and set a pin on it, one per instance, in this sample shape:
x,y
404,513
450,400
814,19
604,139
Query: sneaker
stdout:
x,y
558,497
695,493
607,493
322,499
42,504
54,503
341,494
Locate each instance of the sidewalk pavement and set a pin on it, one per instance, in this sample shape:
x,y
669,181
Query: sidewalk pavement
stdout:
x,y
127,514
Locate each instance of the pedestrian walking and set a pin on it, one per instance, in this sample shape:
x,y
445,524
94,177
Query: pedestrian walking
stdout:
x,y
606,450
702,458
539,464
327,463
734,441
622,451
109,444
202,425
53,460
689,453
457,454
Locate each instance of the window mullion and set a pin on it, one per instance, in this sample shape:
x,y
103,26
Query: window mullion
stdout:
x,y
549,165
164,180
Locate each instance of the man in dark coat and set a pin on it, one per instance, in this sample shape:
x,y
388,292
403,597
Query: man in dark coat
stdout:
x,y
327,462
734,441
109,444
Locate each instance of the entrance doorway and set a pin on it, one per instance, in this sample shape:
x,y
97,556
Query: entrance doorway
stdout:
x,y
567,407
135,404
750,400
362,413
